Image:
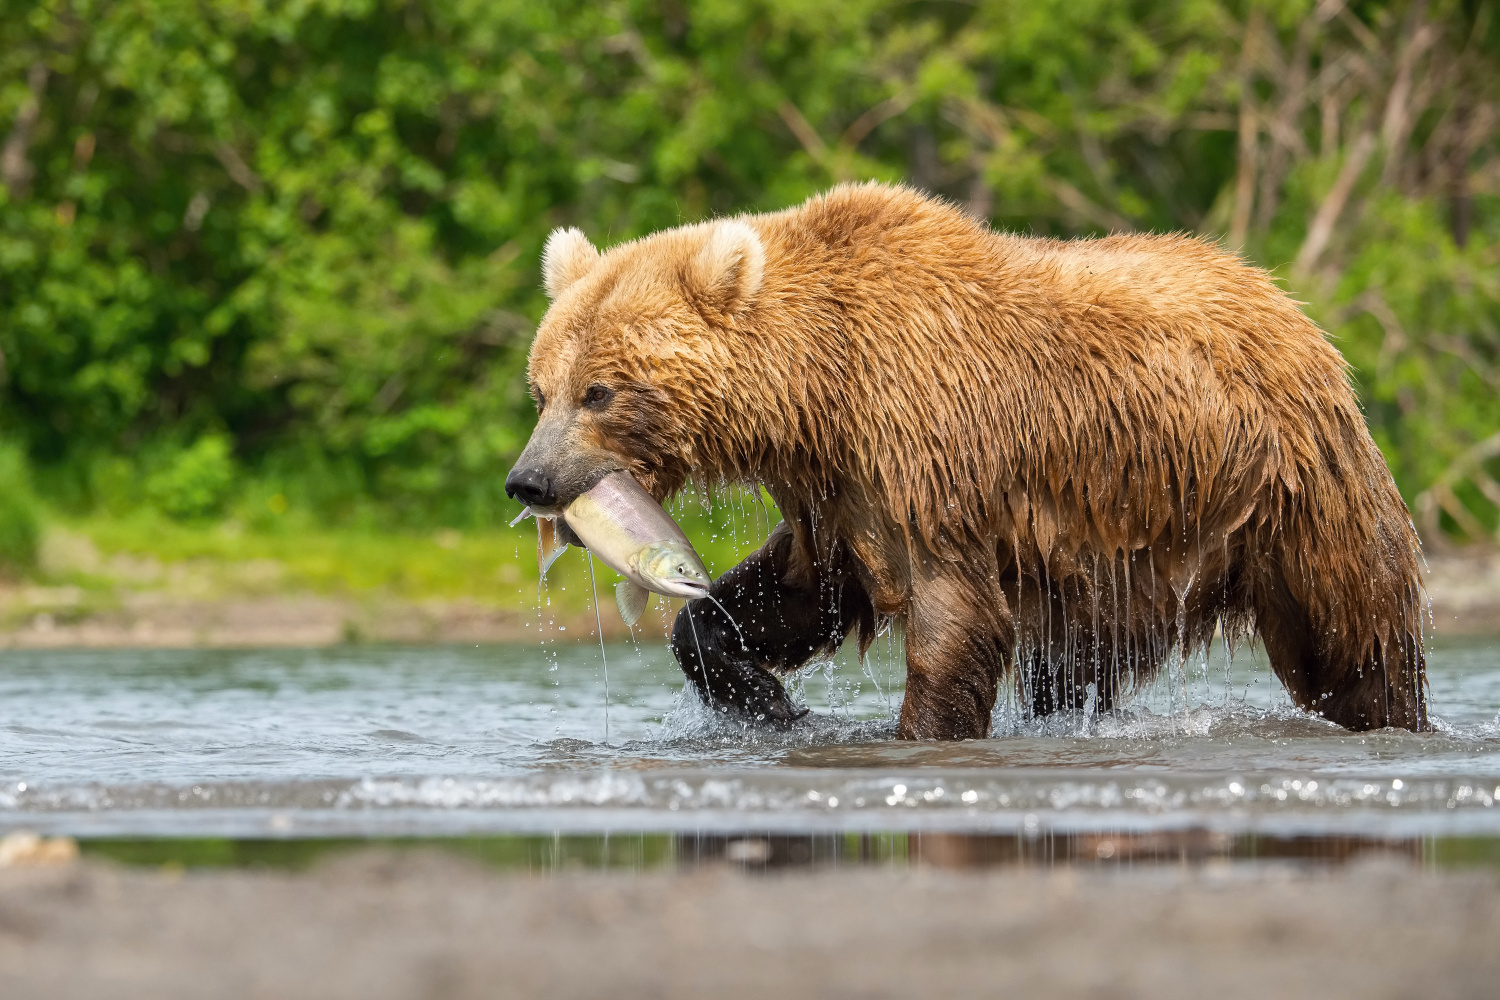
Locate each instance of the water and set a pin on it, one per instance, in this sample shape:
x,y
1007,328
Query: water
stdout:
x,y
439,742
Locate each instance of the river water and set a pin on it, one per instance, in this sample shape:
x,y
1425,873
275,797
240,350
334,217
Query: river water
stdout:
x,y
368,741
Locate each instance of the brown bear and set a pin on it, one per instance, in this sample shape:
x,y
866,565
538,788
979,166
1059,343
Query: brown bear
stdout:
x,y
1057,462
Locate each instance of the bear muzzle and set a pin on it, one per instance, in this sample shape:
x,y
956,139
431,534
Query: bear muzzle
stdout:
x,y
558,465
532,486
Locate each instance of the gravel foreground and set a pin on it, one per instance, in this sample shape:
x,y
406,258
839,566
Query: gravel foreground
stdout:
x,y
409,925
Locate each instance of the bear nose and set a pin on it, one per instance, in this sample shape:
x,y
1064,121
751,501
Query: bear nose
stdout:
x,y
532,487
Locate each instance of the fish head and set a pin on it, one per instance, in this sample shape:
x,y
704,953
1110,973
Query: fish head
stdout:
x,y
672,567
628,365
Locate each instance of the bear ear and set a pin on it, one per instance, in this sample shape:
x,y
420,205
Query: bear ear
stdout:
x,y
726,274
567,257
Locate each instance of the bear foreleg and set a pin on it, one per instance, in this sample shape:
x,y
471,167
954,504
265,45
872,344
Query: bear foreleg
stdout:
x,y
758,622
957,645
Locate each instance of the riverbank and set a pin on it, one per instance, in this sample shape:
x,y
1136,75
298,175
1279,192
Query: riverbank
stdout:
x,y
49,618
373,925
216,589
152,583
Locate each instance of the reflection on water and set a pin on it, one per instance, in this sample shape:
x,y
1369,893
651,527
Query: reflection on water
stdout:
x,y
413,741
762,851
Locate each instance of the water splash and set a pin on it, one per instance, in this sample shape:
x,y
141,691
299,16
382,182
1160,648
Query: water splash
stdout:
x,y
743,644
599,629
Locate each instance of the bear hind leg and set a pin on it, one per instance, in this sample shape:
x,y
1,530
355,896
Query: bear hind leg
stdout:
x,y
1097,650
1077,685
1384,687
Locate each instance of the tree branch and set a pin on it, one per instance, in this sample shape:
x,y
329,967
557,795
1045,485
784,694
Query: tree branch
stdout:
x,y
1321,230
803,130
875,117
238,170
1249,132
1086,208
1440,495
15,168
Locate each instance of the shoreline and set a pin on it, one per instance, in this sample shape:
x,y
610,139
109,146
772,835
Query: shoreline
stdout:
x,y
295,620
1464,590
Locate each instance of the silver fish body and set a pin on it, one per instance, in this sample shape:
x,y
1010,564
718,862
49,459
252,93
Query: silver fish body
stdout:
x,y
624,526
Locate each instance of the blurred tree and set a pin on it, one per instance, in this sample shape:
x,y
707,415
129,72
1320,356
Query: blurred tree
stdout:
x,y
310,227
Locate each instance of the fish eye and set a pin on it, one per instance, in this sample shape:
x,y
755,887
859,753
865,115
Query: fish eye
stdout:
x,y
598,396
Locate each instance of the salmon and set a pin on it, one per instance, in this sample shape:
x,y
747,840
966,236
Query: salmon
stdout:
x,y
619,522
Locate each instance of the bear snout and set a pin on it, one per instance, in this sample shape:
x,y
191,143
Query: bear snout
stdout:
x,y
530,485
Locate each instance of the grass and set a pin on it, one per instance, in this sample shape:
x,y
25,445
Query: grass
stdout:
x,y
496,566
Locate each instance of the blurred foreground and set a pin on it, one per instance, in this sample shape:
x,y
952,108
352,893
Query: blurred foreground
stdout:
x,y
376,925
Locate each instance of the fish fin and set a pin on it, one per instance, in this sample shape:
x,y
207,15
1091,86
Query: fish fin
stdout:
x,y
548,545
631,600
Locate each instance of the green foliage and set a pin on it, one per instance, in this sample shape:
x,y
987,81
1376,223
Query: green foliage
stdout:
x,y
194,481
304,235
1419,320
265,544
18,517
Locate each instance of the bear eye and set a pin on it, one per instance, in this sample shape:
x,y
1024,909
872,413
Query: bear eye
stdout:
x,y
597,397
541,399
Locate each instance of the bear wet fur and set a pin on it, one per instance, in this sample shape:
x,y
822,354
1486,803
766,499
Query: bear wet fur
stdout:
x,y
1058,463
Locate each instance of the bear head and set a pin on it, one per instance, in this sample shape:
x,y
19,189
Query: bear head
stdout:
x,y
629,368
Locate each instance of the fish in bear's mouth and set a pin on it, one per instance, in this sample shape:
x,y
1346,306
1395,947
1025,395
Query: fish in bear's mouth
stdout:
x,y
622,524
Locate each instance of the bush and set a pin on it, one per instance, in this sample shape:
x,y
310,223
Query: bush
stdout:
x,y
194,482
19,530
314,227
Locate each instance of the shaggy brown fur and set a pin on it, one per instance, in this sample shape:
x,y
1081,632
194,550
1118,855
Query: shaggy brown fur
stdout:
x,y
1069,460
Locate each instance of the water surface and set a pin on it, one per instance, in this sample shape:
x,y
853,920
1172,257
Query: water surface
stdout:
x,y
421,741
